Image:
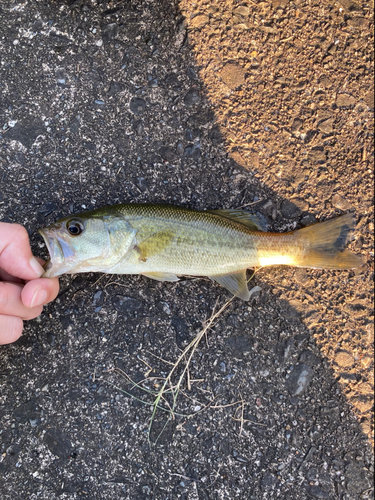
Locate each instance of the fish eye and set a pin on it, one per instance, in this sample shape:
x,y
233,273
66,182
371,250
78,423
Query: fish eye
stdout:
x,y
74,227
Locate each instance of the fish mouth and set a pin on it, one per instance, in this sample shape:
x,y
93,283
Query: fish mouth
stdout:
x,y
59,252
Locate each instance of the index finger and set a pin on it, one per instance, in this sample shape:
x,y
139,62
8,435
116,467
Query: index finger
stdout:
x,y
16,257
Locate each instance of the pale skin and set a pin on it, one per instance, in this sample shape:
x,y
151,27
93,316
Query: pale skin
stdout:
x,y
22,291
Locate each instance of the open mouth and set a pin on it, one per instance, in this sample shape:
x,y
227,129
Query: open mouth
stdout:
x,y
56,254
47,240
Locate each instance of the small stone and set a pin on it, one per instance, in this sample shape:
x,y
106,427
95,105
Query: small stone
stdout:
x,y
240,14
326,126
240,344
369,99
358,479
137,105
296,125
126,304
299,379
344,359
27,411
47,208
340,202
192,151
309,358
317,492
192,97
350,6
180,149
109,32
269,481
366,360
233,75
317,155
98,298
366,427
290,210
167,153
255,292
345,100
358,22
363,403
182,331
300,203
301,276
114,88
26,131
199,21
58,443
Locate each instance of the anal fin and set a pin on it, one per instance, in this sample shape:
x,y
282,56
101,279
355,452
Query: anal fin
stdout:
x,y
161,276
235,283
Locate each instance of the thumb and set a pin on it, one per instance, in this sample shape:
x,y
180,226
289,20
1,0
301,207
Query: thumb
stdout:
x,y
16,257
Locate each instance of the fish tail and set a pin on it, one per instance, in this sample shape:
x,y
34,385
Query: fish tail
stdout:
x,y
323,244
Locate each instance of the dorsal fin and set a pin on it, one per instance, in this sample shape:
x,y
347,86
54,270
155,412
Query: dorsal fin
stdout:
x,y
255,222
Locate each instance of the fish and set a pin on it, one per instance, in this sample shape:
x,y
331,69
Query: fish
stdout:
x,y
164,242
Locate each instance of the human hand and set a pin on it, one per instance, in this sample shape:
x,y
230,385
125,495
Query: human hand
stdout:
x,y
22,292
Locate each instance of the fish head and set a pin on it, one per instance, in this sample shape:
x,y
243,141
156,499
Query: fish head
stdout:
x,y
84,243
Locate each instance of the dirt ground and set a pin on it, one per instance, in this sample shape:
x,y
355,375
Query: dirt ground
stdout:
x,y
205,104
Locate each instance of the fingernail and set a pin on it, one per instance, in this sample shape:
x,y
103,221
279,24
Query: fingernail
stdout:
x,y
39,298
34,264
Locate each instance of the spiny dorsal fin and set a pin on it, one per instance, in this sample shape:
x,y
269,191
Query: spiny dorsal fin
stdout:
x,y
254,222
235,283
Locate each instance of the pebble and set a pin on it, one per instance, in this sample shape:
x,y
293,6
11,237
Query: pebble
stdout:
x,y
57,442
340,202
192,97
345,100
317,155
137,105
255,292
240,14
199,21
317,492
114,88
299,379
326,126
126,304
182,331
269,480
240,344
290,210
27,411
98,300
232,75
344,359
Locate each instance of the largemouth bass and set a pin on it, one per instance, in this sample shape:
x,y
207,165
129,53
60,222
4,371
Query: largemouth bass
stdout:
x,y
164,242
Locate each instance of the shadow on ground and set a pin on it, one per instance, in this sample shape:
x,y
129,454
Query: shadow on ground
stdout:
x,y
104,103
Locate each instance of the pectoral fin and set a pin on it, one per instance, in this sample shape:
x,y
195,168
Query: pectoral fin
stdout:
x,y
235,283
154,244
161,276
254,222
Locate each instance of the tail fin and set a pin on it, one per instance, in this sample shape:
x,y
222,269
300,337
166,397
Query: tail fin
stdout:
x,y
324,244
